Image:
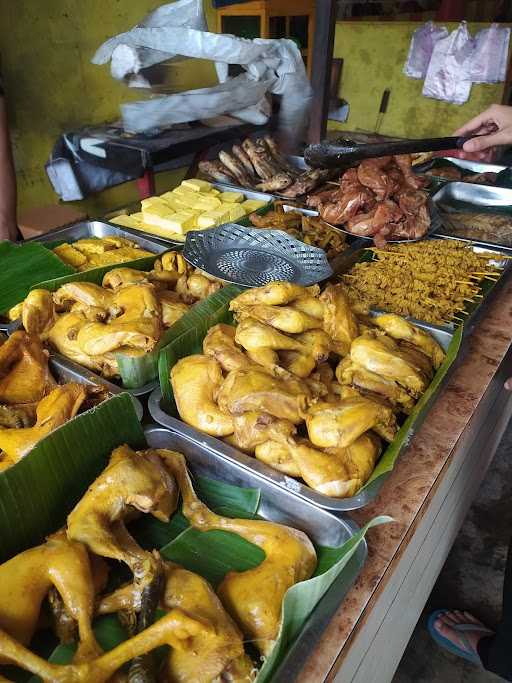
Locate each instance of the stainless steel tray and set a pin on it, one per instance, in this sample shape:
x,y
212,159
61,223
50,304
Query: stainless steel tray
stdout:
x,y
465,164
94,378
65,370
85,229
467,198
290,485
279,506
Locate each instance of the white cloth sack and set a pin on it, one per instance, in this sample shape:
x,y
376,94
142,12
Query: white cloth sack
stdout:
x,y
274,66
420,50
490,56
449,73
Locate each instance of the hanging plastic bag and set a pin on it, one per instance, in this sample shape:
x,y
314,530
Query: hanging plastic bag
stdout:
x,y
449,72
271,66
420,51
490,56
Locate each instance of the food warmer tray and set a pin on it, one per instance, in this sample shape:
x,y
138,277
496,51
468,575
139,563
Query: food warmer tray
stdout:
x,y
176,244
65,370
467,198
227,453
85,229
280,506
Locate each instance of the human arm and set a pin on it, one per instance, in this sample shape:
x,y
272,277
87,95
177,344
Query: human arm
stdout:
x,y
7,179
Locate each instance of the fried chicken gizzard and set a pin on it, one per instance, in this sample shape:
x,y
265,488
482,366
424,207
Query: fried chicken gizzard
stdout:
x,y
381,198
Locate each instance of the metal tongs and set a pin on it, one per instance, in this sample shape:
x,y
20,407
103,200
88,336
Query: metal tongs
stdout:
x,y
346,153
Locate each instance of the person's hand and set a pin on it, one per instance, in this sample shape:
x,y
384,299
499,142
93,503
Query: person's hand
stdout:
x,y
508,384
494,126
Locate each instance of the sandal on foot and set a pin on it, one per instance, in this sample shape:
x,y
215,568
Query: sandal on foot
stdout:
x,y
467,652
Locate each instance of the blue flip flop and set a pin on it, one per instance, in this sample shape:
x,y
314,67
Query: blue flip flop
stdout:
x,y
467,653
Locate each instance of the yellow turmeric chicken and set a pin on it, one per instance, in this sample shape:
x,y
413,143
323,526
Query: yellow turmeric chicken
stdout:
x,y
253,597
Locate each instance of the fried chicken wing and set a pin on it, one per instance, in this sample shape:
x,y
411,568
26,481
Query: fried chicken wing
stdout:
x,y
253,336
171,306
120,277
257,390
195,381
338,425
283,318
220,344
95,302
254,427
382,356
340,322
399,328
277,455
275,293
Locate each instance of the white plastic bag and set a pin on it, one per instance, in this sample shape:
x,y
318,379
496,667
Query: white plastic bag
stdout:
x,y
271,66
490,56
420,51
449,72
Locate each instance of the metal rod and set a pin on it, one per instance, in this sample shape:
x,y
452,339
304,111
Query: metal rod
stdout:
x,y
325,21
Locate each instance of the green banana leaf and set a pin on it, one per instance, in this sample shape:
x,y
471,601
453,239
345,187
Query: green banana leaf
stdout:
x,y
23,266
53,477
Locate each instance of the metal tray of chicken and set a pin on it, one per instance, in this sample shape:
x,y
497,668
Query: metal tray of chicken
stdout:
x,y
290,485
65,370
482,204
280,506
95,228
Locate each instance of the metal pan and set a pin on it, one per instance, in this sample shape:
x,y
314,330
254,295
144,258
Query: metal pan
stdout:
x,y
464,164
65,370
226,453
279,506
176,244
85,229
456,198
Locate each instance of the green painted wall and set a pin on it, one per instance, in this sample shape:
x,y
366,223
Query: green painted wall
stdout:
x,y
51,85
374,54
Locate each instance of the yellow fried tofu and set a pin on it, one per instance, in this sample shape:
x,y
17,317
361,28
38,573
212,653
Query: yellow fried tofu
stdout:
x,y
126,221
251,205
197,185
231,197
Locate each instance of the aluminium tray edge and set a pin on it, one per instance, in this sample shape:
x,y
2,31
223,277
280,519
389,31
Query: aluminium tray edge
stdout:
x,y
144,240
73,372
297,653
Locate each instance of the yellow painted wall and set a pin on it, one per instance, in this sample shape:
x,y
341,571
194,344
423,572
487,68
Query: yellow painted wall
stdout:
x,y
51,85
374,54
